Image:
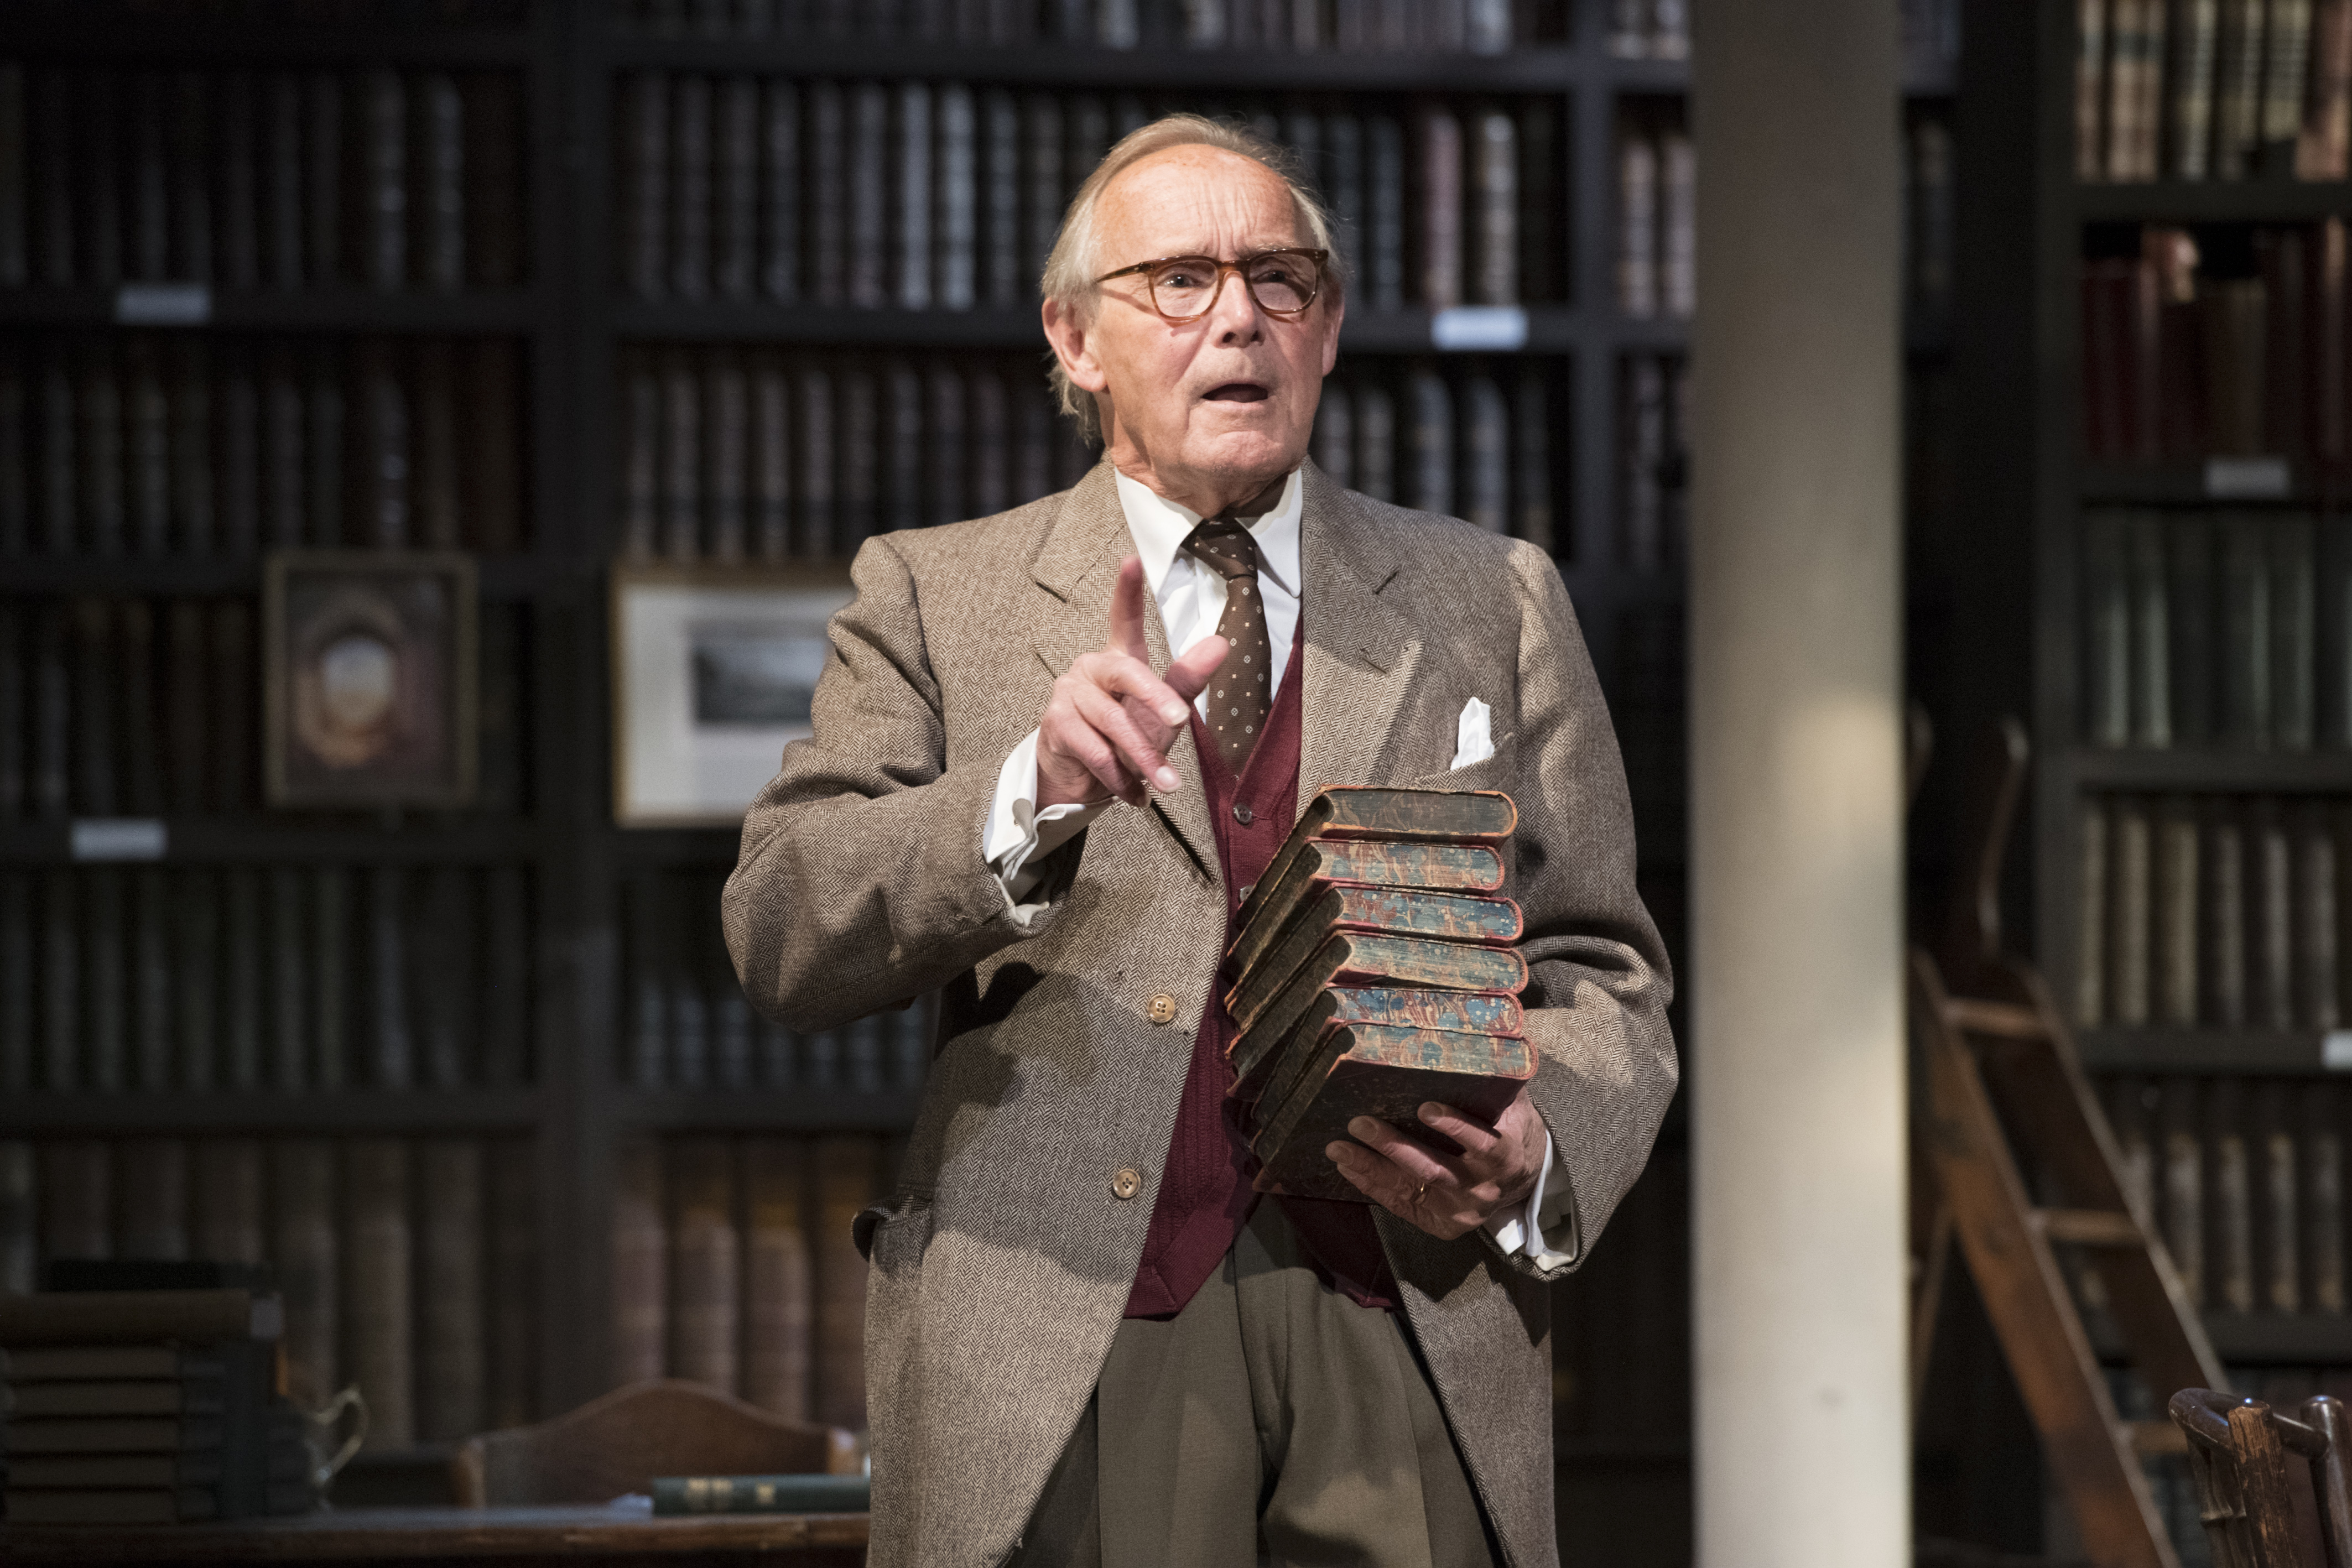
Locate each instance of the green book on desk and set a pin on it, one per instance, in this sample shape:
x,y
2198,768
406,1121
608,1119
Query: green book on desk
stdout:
x,y
762,1494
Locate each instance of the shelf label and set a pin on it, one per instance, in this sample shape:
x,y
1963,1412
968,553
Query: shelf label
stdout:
x,y
119,839
1467,327
2336,1050
163,304
2247,478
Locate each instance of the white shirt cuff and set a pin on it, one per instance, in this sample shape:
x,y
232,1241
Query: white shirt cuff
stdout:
x,y
1017,833
1522,1229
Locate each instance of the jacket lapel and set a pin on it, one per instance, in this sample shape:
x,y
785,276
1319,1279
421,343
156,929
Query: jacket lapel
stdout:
x,y
1078,567
1360,650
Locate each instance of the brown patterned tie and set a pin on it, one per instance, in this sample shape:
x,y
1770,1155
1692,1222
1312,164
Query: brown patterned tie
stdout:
x,y
1242,691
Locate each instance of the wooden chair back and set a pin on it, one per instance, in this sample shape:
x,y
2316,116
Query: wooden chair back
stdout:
x,y
2241,1454
619,1442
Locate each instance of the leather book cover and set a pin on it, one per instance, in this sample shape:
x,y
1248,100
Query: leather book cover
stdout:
x,y
379,1247
145,1397
512,1331
705,1284
847,1178
735,140
779,1312
451,1298
1412,911
1305,866
690,187
228,1222
305,1250
640,1264
1396,816
1373,1071
1276,1063
492,178
1300,1019
1368,958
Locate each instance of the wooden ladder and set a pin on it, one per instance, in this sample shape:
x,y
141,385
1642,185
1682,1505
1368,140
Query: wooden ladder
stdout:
x,y
2019,1168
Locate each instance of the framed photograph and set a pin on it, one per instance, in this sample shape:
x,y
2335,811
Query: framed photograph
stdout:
x,y
712,673
369,687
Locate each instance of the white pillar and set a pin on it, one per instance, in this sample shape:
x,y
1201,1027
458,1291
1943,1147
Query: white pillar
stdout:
x,y
1802,1441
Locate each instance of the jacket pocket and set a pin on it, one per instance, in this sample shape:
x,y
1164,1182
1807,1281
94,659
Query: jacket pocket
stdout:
x,y
882,1230
1496,772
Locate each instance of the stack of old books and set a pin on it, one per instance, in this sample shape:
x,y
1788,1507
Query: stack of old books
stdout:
x,y
1373,972
133,1405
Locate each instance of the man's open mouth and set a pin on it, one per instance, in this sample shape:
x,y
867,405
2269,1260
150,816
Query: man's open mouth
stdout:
x,y
1238,391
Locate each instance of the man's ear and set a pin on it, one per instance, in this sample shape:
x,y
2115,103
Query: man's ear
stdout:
x,y
1338,309
1072,345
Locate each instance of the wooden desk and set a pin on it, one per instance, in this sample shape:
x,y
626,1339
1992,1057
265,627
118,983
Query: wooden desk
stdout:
x,y
509,1537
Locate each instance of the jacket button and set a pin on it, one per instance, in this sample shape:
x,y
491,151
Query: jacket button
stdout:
x,y
1162,1008
1125,1183
1243,814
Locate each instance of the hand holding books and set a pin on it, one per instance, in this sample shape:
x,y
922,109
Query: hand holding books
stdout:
x,y
1380,1056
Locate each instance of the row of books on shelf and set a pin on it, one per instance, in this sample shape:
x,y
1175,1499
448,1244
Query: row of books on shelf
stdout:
x,y
732,455
1352,27
1656,171
690,1027
2244,1180
249,978
2207,629
138,443
138,708
1653,421
280,180
2223,341
2212,89
407,1266
1657,208
2212,911
921,195
734,1266
477,17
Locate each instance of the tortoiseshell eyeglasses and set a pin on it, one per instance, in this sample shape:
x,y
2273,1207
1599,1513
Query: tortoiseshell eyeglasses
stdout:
x,y
1186,287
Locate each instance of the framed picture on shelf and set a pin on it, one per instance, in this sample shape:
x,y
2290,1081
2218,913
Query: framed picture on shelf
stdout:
x,y
368,681
712,673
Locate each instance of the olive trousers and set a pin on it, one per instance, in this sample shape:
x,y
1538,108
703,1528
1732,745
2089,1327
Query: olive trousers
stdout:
x,y
1273,1421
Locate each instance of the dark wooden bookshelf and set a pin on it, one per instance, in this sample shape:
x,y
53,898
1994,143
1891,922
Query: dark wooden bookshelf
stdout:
x,y
410,838
575,322
49,29
361,1108
338,308
2257,1340
2204,771
2003,627
766,1109
2259,201
2116,1050
525,577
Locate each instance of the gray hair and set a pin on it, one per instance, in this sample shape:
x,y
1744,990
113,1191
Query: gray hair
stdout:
x,y
1072,266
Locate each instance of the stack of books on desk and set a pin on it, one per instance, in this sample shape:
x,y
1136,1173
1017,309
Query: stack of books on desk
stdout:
x,y
146,1406
1373,972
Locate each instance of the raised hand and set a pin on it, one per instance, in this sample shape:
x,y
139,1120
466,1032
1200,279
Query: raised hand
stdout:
x,y
1107,727
1446,1194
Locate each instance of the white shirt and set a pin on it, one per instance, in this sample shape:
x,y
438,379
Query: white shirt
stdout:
x,y
1192,599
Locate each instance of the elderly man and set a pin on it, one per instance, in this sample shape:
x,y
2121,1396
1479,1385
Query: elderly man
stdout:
x,y
1053,750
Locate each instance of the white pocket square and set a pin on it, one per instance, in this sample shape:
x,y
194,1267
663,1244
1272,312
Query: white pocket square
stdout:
x,y
1472,739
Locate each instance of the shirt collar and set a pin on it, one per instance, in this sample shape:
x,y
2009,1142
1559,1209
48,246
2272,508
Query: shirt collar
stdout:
x,y
1160,527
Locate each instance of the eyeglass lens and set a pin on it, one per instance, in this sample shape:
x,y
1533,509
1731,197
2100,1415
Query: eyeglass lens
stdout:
x,y
1282,280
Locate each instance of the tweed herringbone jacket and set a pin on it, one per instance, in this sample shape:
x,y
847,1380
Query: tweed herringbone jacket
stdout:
x,y
1000,1263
